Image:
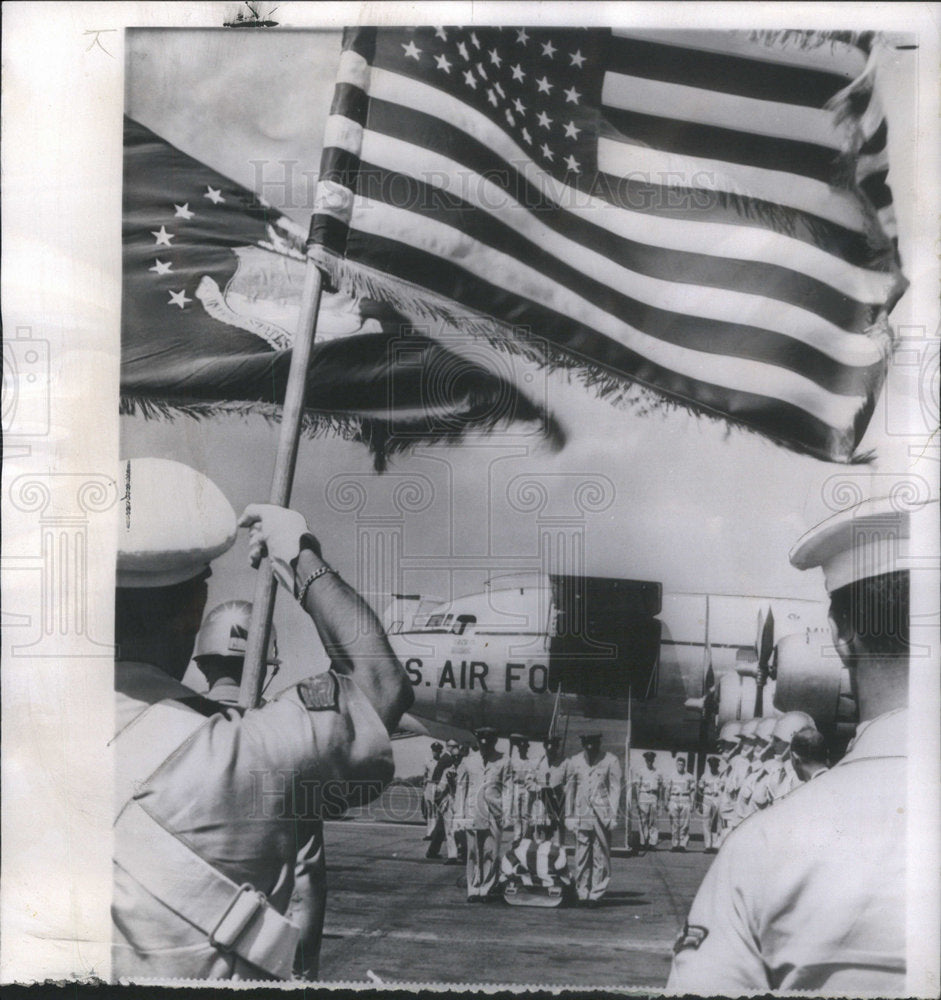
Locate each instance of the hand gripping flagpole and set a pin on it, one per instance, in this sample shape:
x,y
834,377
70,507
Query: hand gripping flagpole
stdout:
x,y
292,414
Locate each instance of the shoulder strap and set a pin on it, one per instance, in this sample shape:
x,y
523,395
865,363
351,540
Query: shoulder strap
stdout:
x,y
236,919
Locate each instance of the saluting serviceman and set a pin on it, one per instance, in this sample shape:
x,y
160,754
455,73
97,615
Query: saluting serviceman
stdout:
x,y
740,767
592,796
220,657
204,861
647,788
678,789
428,790
843,928
729,745
710,791
781,777
483,781
761,766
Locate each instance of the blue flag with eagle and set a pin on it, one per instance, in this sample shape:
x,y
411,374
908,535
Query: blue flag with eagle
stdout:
x,y
212,290
704,214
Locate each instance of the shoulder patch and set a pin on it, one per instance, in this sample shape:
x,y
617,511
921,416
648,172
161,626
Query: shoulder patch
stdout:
x,y
320,693
691,937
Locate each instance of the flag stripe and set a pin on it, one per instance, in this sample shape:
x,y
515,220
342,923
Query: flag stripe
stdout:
x,y
728,73
804,194
690,104
725,145
774,416
515,277
601,269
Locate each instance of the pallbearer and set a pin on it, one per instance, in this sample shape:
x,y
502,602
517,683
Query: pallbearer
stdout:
x,y
483,781
592,795
523,767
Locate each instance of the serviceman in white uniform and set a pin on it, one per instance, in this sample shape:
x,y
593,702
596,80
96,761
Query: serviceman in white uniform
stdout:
x,y
428,790
760,766
729,745
523,768
740,769
591,807
710,793
781,777
647,788
203,858
483,783
810,894
678,789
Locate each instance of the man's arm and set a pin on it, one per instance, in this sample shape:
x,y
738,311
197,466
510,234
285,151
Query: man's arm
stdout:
x,y
351,633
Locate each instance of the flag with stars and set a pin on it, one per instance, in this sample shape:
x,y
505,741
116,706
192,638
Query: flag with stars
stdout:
x,y
212,290
704,214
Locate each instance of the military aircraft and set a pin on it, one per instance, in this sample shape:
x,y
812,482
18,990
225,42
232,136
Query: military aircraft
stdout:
x,y
536,653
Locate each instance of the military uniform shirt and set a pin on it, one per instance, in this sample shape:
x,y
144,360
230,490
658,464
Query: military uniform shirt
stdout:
x,y
481,788
810,895
593,789
222,781
680,786
648,782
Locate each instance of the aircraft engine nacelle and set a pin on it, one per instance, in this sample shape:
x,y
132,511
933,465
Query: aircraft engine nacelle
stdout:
x,y
811,678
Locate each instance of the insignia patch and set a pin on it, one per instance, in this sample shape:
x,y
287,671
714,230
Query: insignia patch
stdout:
x,y
692,936
320,693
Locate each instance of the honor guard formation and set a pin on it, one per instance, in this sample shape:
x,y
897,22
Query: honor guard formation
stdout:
x,y
220,856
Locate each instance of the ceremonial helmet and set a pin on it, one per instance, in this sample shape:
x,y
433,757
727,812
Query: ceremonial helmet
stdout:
x,y
765,729
225,633
791,723
749,730
731,732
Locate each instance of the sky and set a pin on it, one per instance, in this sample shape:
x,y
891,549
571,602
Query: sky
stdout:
x,y
683,500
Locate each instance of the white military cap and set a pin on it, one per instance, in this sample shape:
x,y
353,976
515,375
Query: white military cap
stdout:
x,y
868,539
174,522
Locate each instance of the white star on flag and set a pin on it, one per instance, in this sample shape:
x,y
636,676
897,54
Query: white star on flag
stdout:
x,y
544,120
527,136
462,49
546,152
214,195
443,63
470,79
183,211
440,33
520,107
411,51
473,38
571,96
162,236
577,58
522,37
518,73
495,58
572,130
161,267
548,49
179,298
491,96
544,86
572,164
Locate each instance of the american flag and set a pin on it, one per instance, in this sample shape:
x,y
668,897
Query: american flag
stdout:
x,y
704,214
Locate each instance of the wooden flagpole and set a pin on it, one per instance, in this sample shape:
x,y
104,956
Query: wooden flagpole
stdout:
x,y
292,414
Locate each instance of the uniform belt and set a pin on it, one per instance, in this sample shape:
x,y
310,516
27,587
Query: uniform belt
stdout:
x,y
234,918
